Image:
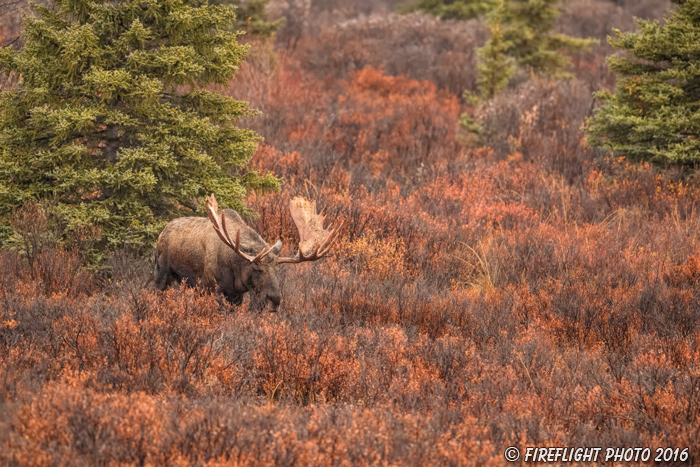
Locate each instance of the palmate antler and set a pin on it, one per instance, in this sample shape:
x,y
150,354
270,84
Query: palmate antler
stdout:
x,y
221,230
314,241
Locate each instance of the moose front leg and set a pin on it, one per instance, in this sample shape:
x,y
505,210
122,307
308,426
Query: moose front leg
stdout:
x,y
234,298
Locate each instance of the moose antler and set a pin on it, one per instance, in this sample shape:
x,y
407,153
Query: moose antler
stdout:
x,y
221,230
314,241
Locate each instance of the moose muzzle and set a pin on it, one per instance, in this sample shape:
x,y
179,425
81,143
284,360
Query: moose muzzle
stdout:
x,y
272,303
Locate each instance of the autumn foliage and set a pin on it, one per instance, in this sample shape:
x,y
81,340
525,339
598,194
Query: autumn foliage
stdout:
x,y
530,292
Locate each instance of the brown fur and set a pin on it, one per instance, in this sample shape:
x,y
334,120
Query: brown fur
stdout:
x,y
189,249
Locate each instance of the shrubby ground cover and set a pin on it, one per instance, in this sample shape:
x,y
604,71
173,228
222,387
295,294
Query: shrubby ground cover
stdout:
x,y
530,291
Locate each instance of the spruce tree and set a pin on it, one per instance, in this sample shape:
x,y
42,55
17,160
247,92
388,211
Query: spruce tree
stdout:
x,y
521,37
251,17
454,9
495,67
654,112
529,39
112,123
521,30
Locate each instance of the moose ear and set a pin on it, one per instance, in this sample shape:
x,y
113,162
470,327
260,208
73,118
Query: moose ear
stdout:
x,y
277,247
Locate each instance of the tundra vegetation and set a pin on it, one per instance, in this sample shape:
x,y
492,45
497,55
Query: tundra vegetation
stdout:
x,y
526,289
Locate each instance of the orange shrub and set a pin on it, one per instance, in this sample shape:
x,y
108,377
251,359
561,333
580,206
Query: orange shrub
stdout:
x,y
533,292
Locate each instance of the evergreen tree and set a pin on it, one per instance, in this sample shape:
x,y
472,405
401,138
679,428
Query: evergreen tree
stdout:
x,y
112,122
521,36
529,39
520,29
495,67
654,112
454,9
251,17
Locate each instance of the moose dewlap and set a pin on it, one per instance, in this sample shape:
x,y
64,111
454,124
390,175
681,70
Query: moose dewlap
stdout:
x,y
197,249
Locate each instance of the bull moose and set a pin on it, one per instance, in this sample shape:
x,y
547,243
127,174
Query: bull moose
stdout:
x,y
200,249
